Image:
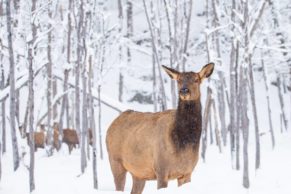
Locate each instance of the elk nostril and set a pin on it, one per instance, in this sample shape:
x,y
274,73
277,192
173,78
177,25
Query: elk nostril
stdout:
x,y
184,91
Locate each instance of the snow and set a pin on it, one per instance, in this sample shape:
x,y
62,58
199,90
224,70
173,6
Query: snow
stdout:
x,y
61,174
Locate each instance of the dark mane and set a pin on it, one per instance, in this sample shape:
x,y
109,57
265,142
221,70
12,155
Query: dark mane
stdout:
x,y
188,124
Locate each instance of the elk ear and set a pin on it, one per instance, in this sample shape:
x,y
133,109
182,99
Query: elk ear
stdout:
x,y
171,72
206,71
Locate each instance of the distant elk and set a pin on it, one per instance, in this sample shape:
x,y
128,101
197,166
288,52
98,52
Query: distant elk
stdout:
x,y
159,146
39,137
70,137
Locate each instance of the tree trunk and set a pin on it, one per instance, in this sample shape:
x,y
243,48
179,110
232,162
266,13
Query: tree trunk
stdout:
x,y
281,100
217,134
205,122
155,101
244,96
3,113
17,106
12,88
77,69
245,129
121,84
233,127
49,88
31,116
268,101
99,122
31,54
92,124
253,101
68,120
63,107
129,27
84,123
237,107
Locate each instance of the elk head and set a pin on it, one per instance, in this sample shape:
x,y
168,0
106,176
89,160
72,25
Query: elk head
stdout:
x,y
189,82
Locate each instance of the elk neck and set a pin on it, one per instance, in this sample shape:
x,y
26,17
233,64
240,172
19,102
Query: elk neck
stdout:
x,y
188,124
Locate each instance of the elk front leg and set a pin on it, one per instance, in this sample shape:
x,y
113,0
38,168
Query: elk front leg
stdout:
x,y
162,178
137,185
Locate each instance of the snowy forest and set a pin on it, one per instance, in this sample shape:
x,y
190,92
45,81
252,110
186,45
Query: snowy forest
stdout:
x,y
68,68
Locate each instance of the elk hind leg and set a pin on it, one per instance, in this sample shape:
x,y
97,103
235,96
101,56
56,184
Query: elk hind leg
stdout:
x,y
119,174
137,185
184,179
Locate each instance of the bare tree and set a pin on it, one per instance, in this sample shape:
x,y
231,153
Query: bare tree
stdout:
x,y
77,69
268,101
68,57
12,88
84,121
92,125
49,85
205,123
234,116
162,98
121,76
129,23
3,113
31,53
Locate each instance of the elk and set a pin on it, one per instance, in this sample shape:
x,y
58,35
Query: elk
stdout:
x,y
70,137
39,137
159,146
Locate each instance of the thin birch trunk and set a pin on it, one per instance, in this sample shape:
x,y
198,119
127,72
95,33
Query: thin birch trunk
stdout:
x,y
210,127
205,122
84,123
244,96
217,133
129,27
68,120
3,113
31,55
281,100
49,87
255,115
99,122
268,102
17,106
3,117
77,69
237,114
154,83
31,116
54,94
0,160
121,77
12,88
63,106
245,129
233,127
92,124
